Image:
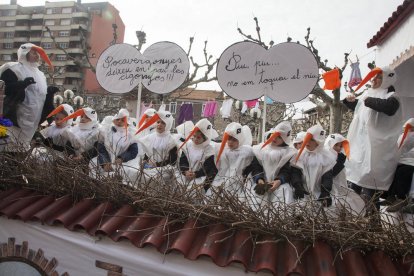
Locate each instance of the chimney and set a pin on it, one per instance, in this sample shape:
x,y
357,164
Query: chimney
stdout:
x,y
13,2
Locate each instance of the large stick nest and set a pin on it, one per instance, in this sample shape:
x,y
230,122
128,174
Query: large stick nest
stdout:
x,y
305,222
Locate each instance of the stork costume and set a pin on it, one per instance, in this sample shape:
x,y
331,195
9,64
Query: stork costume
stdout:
x,y
298,139
316,165
232,162
273,163
343,196
198,158
117,142
54,135
159,149
84,136
28,98
373,134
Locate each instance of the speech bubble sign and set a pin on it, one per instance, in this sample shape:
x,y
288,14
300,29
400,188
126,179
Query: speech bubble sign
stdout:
x,y
162,68
286,73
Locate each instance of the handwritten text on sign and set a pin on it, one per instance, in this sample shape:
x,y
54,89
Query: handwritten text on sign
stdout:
x,y
287,72
162,68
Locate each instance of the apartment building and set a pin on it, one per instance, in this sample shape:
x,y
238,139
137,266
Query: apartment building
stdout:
x,y
82,30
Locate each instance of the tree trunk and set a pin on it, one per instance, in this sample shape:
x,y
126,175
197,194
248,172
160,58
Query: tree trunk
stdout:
x,y
335,110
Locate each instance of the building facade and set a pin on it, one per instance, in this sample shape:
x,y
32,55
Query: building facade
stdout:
x,y
72,34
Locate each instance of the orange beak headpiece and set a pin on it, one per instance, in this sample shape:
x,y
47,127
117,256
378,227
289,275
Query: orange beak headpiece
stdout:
x,y
338,138
87,111
317,133
332,79
124,114
77,113
241,133
407,127
63,107
283,130
205,127
25,48
368,77
147,114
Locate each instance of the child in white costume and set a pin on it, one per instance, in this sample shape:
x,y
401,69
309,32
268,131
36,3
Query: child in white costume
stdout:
x,y
84,136
117,147
315,165
298,140
196,163
234,156
145,118
342,195
159,148
271,167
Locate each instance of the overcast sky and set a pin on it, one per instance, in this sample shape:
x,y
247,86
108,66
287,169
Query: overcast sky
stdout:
x,y
338,26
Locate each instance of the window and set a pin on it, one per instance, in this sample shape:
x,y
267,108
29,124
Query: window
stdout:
x,y
173,107
49,11
65,22
64,33
47,45
50,22
46,34
66,10
8,12
7,57
60,57
63,45
10,23
8,45
8,34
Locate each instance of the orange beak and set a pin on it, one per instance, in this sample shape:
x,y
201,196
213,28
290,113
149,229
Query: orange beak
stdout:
x,y
223,144
195,129
43,55
150,122
347,149
271,138
368,77
407,129
75,114
143,118
56,111
306,140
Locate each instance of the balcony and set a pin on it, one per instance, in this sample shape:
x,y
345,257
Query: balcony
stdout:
x,y
74,51
36,28
37,16
35,38
77,75
21,39
23,17
22,28
75,38
80,14
77,26
58,16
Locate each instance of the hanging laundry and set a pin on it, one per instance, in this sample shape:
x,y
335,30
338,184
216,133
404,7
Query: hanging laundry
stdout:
x,y
252,103
332,79
244,108
186,113
355,77
269,100
225,109
210,109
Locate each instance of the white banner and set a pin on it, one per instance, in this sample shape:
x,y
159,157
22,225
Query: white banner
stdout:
x,y
286,73
162,68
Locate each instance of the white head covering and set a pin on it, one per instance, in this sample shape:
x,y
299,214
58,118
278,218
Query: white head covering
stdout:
x,y
121,114
242,133
389,77
91,114
299,137
167,118
24,49
337,138
63,107
284,130
150,112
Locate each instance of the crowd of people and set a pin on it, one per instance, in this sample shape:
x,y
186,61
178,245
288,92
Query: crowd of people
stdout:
x,y
375,161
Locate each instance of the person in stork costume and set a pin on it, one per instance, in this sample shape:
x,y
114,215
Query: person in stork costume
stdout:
x,y
83,137
196,163
145,118
401,191
28,98
54,136
298,140
159,149
234,156
117,148
373,134
271,168
342,195
313,165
